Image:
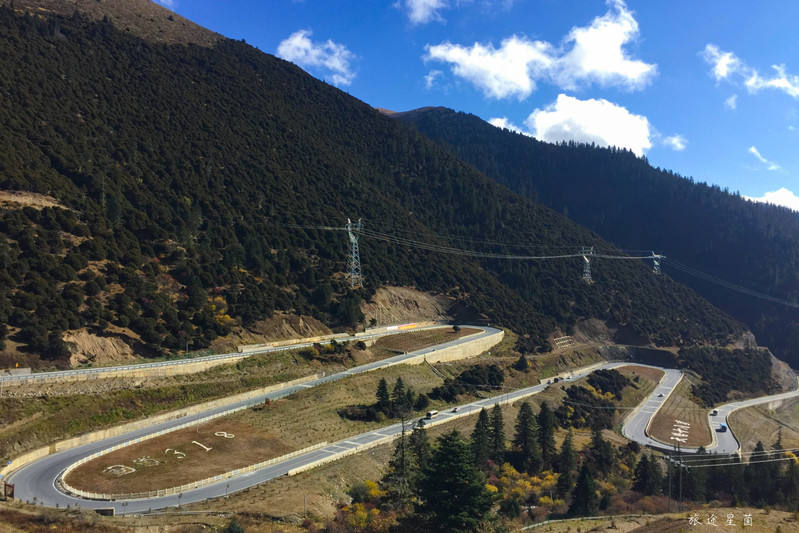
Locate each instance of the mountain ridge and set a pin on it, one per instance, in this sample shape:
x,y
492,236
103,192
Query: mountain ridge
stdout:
x,y
198,181
732,241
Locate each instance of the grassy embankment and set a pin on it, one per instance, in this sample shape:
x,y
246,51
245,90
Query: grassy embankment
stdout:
x,y
680,405
66,410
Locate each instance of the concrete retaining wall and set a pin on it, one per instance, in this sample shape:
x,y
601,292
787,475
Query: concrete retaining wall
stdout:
x,y
457,352
95,436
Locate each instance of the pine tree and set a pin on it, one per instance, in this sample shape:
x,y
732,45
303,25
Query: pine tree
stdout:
x,y
601,451
452,490
762,477
525,440
655,486
546,434
481,440
790,486
398,398
566,464
400,480
420,445
695,480
648,476
641,475
522,364
383,397
584,498
497,435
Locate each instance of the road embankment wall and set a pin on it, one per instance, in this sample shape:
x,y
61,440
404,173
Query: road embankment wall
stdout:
x,y
459,351
98,435
187,367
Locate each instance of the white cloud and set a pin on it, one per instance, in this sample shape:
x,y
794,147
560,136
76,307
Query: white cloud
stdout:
x,y
770,165
731,102
431,77
598,53
787,83
423,11
500,73
781,196
329,56
727,66
171,4
676,142
724,63
591,121
592,54
504,123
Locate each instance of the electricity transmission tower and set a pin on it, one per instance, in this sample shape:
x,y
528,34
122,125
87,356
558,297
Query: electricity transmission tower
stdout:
x,y
354,261
656,262
586,253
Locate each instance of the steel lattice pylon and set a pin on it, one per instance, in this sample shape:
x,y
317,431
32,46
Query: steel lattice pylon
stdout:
x,y
354,261
587,252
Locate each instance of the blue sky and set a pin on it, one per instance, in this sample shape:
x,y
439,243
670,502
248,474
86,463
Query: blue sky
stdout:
x,y
708,89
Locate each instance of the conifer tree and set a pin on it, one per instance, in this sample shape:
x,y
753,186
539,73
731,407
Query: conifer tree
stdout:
x,y
398,397
601,451
546,434
497,435
584,498
420,445
655,486
790,486
648,477
400,480
566,464
525,440
641,475
481,440
695,480
522,364
452,490
383,397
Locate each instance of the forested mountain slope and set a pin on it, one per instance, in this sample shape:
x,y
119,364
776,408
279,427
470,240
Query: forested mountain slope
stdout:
x,y
636,206
193,182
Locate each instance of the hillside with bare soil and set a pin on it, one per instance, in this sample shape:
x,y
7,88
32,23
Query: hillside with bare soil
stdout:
x,y
397,305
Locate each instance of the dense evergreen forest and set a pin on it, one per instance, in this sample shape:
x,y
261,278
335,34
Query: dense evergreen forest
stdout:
x,y
191,182
636,206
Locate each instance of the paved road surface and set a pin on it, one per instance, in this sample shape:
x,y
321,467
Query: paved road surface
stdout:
x,y
38,480
91,373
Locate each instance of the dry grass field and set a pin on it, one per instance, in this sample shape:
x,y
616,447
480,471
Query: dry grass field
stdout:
x,y
298,421
416,340
179,457
680,406
763,423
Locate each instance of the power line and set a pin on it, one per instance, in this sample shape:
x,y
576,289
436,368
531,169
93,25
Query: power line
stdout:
x,y
451,250
485,255
712,279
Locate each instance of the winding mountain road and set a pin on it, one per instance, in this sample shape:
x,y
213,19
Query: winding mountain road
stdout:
x,y
39,481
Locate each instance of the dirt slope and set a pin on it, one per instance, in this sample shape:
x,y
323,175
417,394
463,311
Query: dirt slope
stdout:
x,y
397,305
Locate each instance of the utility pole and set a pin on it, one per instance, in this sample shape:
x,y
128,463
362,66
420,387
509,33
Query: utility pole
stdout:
x,y
670,459
679,456
354,261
